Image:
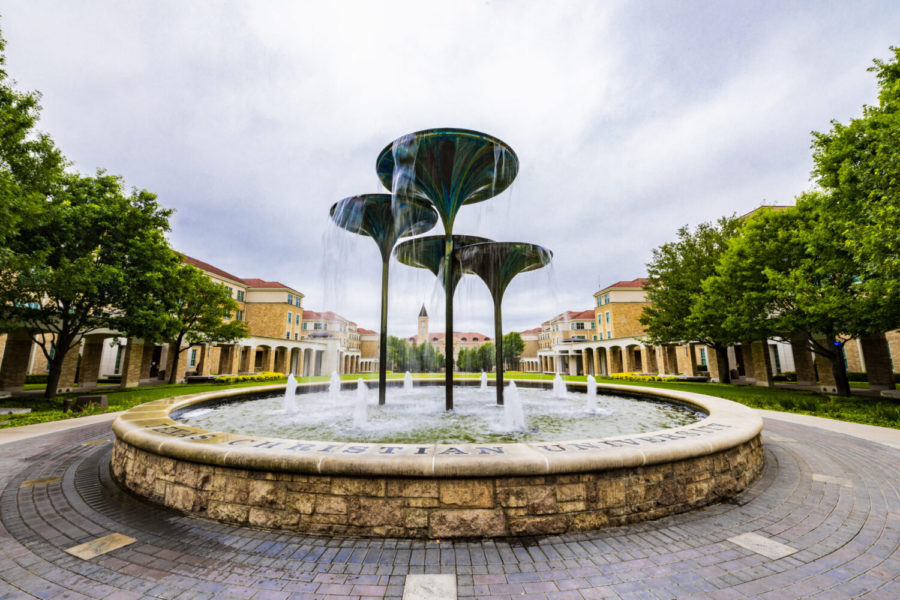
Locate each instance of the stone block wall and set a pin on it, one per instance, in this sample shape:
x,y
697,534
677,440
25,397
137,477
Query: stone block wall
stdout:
x,y
437,507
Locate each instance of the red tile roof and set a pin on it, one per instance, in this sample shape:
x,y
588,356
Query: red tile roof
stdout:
x,y
249,282
259,283
365,331
640,282
209,268
571,315
535,330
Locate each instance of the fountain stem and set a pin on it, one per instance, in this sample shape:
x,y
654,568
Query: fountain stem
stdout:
x,y
449,288
382,343
498,347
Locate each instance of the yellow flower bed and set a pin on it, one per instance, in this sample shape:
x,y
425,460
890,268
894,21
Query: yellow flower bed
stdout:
x,y
264,376
641,377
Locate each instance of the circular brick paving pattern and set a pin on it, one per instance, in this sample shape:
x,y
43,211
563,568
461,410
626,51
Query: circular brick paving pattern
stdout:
x,y
832,498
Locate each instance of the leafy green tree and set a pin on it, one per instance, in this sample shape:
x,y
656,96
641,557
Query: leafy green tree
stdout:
x,y
513,345
77,268
485,357
189,308
857,166
675,284
30,167
790,274
398,354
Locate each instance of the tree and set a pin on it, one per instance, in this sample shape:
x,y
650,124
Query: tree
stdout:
x,y
398,354
675,284
512,349
790,274
485,357
30,166
79,266
857,167
189,308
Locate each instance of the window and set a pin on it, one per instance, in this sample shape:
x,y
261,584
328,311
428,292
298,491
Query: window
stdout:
x,y
240,295
239,315
463,339
118,359
607,316
287,335
608,334
290,298
290,317
606,297
297,301
702,356
193,361
296,336
578,325
595,338
297,319
230,289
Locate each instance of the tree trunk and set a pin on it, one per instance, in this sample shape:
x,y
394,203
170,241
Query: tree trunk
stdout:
x,y
176,348
839,372
722,363
62,343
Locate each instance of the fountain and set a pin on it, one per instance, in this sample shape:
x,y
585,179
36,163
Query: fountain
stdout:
x,y
334,385
290,392
590,400
449,168
473,485
513,415
483,385
497,263
385,219
559,387
407,384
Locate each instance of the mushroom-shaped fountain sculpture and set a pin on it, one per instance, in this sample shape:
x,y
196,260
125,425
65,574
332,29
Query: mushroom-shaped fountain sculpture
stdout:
x,y
450,168
497,263
384,219
429,253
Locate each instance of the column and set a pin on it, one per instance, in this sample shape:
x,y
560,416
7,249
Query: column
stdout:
x,y
69,369
627,360
762,364
15,361
747,351
131,363
718,367
670,360
660,360
573,363
226,359
648,357
877,358
281,360
205,367
691,362
181,367
615,359
90,361
803,361
146,360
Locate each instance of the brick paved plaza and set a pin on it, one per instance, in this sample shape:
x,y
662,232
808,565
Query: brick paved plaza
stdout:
x,y
823,522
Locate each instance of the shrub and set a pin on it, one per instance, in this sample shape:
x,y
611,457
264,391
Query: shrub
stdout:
x,y
265,376
36,378
639,377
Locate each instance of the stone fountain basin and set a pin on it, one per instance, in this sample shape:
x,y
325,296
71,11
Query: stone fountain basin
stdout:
x,y
436,490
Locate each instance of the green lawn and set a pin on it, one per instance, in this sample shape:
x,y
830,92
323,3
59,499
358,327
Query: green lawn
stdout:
x,y
872,411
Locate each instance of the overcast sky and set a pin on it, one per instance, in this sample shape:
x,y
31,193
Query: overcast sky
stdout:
x,y
630,119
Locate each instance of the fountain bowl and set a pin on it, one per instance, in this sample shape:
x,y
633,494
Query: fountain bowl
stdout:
x,y
436,490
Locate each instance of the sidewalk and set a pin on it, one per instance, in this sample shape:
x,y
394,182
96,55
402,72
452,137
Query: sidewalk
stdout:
x,y
881,435
15,434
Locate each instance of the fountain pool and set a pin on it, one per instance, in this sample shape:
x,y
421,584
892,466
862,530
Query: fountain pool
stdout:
x,y
417,416
428,490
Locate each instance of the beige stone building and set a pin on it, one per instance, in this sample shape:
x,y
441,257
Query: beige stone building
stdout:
x,y
332,326
272,310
